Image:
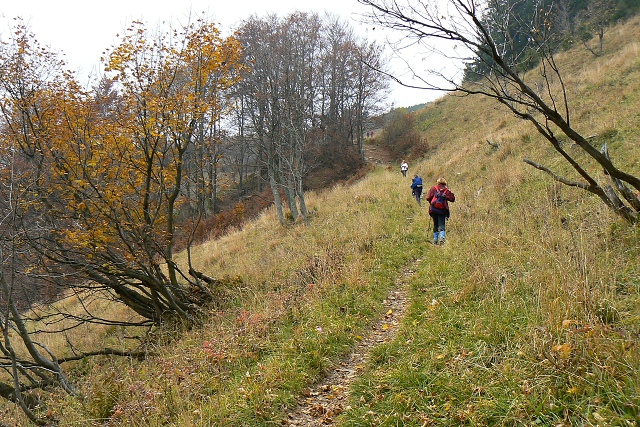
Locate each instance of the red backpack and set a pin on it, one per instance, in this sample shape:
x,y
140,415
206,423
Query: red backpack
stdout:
x,y
439,200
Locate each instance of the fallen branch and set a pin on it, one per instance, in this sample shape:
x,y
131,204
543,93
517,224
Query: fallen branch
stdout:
x,y
493,144
105,352
207,279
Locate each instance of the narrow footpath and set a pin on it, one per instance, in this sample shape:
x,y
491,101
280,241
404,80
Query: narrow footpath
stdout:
x,y
319,405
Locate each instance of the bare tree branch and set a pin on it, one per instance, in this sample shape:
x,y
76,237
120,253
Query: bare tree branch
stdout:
x,y
556,177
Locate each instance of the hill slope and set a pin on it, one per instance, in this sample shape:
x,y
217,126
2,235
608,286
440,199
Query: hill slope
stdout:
x,y
529,315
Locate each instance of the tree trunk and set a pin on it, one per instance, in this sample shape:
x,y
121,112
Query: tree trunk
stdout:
x,y
277,201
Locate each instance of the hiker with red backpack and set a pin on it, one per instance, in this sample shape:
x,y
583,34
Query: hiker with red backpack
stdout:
x,y
439,197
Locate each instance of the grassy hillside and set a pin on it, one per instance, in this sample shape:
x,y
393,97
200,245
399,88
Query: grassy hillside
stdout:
x,y
529,315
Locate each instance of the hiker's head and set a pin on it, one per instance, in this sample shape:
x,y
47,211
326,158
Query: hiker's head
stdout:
x,y
441,181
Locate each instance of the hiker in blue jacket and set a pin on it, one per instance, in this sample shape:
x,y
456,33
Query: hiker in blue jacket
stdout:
x,y
416,188
439,197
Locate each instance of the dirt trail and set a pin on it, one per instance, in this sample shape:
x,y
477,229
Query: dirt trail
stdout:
x,y
377,155
323,402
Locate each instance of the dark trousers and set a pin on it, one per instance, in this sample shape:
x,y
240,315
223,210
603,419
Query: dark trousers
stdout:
x,y
417,193
439,221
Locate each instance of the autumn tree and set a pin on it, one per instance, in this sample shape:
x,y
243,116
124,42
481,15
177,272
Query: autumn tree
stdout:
x,y
27,365
278,99
171,96
398,135
112,164
540,98
96,186
352,85
28,77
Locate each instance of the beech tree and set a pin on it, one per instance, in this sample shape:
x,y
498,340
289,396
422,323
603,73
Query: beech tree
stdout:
x,y
352,85
131,179
28,76
306,98
540,98
109,166
96,183
25,363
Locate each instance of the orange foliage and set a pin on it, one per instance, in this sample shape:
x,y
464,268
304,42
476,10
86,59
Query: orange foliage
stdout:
x,y
105,171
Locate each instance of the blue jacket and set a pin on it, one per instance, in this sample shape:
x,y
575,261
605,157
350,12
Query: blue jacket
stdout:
x,y
417,182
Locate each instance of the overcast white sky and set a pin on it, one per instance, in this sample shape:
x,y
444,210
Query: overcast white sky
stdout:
x,y
82,30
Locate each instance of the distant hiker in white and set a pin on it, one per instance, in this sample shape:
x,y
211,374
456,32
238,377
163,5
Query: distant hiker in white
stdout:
x,y
404,167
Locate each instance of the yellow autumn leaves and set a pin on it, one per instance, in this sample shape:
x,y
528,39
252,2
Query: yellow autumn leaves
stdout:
x,y
564,350
104,171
